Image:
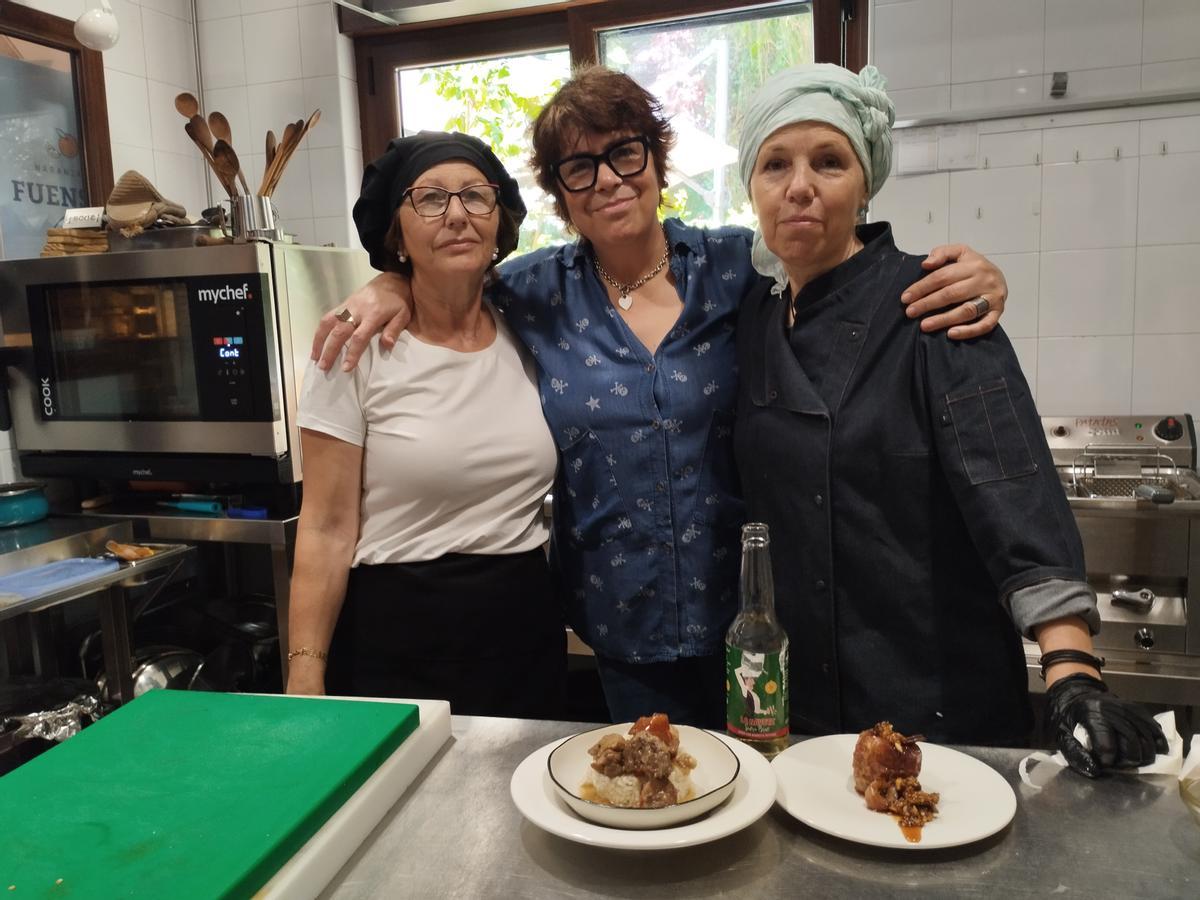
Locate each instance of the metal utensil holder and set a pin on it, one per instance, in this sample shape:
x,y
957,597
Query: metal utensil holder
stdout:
x,y
254,218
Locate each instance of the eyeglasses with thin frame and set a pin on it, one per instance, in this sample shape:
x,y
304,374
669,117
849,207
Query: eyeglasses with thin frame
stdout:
x,y
476,199
626,157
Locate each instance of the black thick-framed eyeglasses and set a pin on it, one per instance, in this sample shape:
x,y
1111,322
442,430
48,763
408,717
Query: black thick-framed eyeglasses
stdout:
x,y
626,157
430,202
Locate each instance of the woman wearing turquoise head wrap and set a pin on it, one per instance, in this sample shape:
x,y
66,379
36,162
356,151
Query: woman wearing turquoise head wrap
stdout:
x,y
905,478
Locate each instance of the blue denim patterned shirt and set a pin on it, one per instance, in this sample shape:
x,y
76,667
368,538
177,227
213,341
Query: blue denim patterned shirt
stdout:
x,y
647,509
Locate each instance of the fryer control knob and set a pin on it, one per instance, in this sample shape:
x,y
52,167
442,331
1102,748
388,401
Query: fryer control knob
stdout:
x,y
1144,638
1168,429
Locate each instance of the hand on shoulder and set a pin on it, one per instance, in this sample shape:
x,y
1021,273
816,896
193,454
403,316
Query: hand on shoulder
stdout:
x,y
958,278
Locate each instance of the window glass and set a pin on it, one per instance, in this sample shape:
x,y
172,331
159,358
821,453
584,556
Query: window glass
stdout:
x,y
495,100
39,143
704,70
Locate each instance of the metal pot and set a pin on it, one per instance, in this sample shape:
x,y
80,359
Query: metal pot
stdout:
x,y
161,667
21,503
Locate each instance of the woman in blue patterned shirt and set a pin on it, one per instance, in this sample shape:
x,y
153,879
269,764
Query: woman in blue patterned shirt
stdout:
x,y
632,330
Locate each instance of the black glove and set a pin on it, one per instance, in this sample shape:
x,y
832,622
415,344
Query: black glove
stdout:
x,y
1123,734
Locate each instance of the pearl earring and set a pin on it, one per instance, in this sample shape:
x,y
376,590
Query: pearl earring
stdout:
x,y
495,253
400,256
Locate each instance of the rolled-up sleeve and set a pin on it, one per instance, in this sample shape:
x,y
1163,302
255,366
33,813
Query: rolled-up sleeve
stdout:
x,y
1052,599
995,459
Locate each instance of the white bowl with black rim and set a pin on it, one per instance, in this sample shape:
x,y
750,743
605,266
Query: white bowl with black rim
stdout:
x,y
716,773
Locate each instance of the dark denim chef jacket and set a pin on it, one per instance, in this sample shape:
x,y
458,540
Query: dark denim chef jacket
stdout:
x,y
914,509
646,505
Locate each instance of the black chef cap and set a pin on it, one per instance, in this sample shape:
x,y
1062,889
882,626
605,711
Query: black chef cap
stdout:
x,y
387,178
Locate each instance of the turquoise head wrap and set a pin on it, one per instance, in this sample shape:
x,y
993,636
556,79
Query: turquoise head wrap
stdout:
x,y
855,105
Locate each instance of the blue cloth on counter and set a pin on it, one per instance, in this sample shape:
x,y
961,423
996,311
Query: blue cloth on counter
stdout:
x,y
647,509
55,576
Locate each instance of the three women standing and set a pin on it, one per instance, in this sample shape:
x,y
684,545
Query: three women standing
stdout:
x,y
632,329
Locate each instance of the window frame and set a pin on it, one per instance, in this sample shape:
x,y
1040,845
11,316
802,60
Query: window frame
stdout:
x,y
87,68
379,51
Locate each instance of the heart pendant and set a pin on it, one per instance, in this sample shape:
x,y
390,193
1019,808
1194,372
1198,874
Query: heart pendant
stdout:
x,y
625,301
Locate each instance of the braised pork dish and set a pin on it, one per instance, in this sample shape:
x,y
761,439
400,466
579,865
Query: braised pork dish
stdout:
x,y
886,769
644,769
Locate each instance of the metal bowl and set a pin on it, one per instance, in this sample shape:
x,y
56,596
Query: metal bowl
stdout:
x,y
160,667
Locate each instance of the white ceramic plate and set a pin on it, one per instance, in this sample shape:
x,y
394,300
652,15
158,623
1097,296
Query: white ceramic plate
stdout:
x,y
816,786
713,778
538,801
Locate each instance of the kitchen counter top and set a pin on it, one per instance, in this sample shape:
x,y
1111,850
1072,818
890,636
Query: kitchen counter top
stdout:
x,y
457,834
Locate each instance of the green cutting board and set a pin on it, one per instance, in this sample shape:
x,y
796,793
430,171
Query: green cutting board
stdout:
x,y
184,794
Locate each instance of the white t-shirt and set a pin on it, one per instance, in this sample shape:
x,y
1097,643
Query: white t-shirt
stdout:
x,y
457,457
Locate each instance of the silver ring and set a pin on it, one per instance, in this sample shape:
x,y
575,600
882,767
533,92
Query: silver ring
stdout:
x,y
344,315
980,305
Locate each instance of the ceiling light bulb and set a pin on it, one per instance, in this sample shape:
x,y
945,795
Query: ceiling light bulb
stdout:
x,y
97,29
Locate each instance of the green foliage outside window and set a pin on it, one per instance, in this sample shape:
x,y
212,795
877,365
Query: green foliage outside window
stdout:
x,y
487,106
497,100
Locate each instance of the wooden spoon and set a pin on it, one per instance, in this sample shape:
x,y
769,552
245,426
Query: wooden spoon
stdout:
x,y
271,145
202,131
206,152
222,132
187,105
302,128
269,177
227,164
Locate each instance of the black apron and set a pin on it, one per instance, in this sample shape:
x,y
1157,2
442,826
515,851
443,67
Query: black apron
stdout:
x,y
483,632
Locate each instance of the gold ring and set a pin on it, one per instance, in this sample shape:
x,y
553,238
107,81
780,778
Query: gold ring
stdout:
x,y
344,315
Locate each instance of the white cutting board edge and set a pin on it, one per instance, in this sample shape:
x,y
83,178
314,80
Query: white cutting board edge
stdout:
x,y
308,873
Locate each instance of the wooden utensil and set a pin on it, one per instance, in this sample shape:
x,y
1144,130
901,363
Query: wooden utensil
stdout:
x,y
202,131
205,151
223,132
269,178
271,145
227,163
302,128
187,105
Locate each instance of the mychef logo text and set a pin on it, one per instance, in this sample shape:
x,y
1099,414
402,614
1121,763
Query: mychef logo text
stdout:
x,y
47,397
227,292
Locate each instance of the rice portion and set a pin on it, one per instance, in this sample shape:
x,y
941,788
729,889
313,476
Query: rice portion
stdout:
x,y
625,790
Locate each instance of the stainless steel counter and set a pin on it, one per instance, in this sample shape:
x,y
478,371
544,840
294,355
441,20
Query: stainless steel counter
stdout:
x,y
456,833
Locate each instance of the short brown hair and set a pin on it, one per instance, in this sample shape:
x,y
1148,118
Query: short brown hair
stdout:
x,y
596,100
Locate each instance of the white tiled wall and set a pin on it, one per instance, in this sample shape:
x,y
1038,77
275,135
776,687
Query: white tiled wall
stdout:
x,y
1092,217
267,62
944,56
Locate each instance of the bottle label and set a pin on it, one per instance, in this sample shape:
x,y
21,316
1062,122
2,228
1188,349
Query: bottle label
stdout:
x,y
756,693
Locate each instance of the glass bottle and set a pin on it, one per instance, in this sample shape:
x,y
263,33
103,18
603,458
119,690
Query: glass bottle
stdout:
x,y
756,654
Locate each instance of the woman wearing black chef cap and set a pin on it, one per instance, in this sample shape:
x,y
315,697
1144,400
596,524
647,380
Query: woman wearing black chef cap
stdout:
x,y
419,565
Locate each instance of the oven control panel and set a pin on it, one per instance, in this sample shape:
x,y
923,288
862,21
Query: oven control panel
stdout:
x,y
1172,436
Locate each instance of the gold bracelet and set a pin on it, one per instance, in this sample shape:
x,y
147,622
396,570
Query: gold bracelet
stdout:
x,y
307,651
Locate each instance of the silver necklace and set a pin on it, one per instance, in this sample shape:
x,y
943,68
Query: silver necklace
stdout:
x,y
624,290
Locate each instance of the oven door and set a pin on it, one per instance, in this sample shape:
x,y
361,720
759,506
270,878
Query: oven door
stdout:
x,y
151,362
